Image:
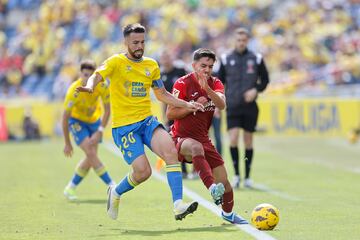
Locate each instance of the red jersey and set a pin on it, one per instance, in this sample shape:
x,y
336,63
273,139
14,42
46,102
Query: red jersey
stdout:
x,y
195,126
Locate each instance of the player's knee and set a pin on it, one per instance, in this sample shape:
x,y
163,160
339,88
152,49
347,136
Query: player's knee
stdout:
x,y
86,164
233,141
90,153
95,162
197,149
248,143
143,174
248,139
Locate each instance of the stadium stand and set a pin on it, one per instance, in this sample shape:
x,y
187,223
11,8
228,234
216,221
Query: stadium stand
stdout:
x,y
309,44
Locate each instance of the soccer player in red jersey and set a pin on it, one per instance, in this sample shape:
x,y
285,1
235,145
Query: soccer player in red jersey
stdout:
x,y
190,130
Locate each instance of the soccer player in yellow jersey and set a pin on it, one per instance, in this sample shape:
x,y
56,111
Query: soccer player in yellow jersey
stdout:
x,y
82,118
131,76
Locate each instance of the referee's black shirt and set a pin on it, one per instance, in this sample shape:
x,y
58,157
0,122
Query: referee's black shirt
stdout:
x,y
240,72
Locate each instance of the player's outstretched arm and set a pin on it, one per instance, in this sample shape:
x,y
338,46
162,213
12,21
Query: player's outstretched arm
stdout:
x,y
164,96
173,113
68,149
96,137
91,83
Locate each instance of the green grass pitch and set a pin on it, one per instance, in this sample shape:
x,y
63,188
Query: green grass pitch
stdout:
x,y
315,183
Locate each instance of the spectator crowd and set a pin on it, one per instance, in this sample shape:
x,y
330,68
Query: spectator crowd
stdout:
x,y
307,43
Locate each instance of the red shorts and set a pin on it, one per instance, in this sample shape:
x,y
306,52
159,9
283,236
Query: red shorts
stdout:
x,y
211,155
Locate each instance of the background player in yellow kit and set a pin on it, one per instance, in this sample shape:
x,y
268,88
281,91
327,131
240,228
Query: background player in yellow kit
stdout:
x,y
82,118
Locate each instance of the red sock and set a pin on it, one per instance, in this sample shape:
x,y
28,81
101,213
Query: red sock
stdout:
x,y
203,168
228,201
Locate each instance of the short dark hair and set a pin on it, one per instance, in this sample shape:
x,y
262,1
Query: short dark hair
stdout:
x,y
134,27
204,52
87,64
242,31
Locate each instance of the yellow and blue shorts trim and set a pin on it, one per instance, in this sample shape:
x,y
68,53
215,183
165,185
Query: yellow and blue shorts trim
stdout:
x,y
81,130
131,138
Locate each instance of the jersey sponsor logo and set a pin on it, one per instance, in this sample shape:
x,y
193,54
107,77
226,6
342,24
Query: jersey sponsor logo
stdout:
x,y
194,94
176,93
138,89
209,106
250,66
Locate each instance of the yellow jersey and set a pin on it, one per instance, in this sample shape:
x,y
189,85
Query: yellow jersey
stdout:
x,y
130,83
84,106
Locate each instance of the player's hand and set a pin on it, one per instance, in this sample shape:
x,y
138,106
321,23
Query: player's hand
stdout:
x,y
95,138
203,80
195,106
202,100
84,89
250,95
68,150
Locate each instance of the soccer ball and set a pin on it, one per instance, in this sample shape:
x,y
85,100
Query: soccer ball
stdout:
x,y
265,216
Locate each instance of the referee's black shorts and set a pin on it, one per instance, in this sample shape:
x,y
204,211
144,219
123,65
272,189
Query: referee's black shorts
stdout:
x,y
245,118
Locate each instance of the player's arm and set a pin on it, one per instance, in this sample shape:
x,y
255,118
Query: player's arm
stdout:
x,y
96,137
178,92
91,83
165,97
99,75
105,98
173,113
106,116
218,98
68,149
70,100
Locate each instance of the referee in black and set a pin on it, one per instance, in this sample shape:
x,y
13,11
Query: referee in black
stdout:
x,y
244,74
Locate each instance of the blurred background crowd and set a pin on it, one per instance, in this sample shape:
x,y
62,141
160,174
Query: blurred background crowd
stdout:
x,y
310,46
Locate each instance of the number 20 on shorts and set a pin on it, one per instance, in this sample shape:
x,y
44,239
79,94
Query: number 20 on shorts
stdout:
x,y
125,141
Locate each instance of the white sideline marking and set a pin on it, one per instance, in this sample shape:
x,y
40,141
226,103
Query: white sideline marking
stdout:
x,y
265,188
208,205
